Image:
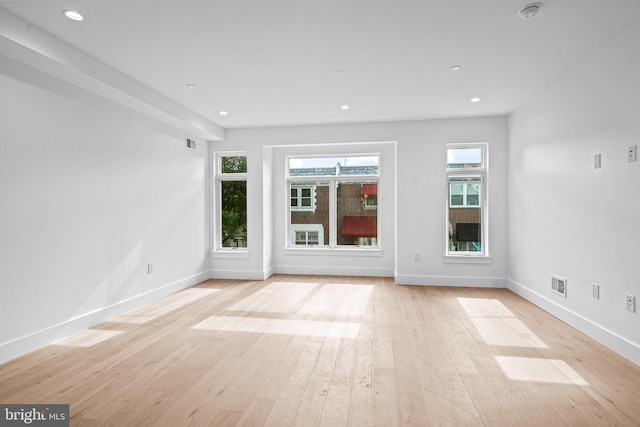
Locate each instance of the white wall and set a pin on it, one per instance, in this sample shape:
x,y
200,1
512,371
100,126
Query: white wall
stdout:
x,y
567,218
91,193
418,166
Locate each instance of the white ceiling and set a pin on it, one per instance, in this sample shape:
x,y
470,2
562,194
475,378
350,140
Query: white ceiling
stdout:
x,y
270,62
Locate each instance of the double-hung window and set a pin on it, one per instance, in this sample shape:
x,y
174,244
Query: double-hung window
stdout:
x,y
333,201
466,199
230,170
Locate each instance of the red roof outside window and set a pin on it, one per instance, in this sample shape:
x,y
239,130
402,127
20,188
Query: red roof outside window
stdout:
x,y
360,226
370,190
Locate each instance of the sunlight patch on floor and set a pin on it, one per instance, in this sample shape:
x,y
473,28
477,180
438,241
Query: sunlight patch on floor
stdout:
x,y
277,297
539,370
498,325
88,338
280,326
353,300
165,305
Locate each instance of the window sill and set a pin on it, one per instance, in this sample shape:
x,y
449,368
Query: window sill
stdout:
x,y
241,253
355,251
467,259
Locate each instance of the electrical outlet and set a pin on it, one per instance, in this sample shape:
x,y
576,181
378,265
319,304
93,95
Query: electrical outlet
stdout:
x,y
149,268
595,290
416,257
631,153
631,303
597,161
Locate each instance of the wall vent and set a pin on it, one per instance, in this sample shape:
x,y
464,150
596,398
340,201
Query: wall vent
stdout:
x,y
191,144
559,285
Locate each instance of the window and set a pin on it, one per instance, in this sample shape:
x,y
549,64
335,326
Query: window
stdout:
x,y
303,198
333,201
307,234
231,198
464,192
466,201
370,196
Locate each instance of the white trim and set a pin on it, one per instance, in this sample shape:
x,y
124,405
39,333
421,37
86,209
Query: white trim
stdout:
x,y
39,339
453,281
312,269
230,253
608,338
241,274
339,251
466,258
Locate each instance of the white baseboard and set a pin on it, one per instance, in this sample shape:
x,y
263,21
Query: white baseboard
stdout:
x,y
333,271
39,339
609,339
459,281
240,274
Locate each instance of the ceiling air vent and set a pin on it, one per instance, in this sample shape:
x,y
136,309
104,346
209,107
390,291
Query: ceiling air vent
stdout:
x,y
191,144
559,285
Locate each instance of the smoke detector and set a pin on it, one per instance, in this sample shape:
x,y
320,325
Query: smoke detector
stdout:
x,y
530,10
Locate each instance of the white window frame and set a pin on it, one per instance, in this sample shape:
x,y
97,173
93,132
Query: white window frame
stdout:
x,y
299,207
332,181
220,177
480,172
465,201
366,202
306,228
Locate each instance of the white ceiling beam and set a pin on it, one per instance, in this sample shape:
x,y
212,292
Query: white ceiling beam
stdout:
x,y
36,49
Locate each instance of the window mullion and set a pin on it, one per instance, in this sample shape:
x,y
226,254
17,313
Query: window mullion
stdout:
x,y
333,214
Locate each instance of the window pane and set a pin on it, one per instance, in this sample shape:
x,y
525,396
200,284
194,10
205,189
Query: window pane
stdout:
x,y
457,200
456,194
233,204
233,164
464,158
465,215
357,226
332,166
473,200
312,238
311,214
473,194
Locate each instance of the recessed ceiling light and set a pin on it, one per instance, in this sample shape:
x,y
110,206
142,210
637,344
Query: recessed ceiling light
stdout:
x,y
474,100
456,68
223,113
191,86
336,73
73,15
344,107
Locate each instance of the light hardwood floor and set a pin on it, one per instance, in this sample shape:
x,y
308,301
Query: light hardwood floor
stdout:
x,y
330,351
